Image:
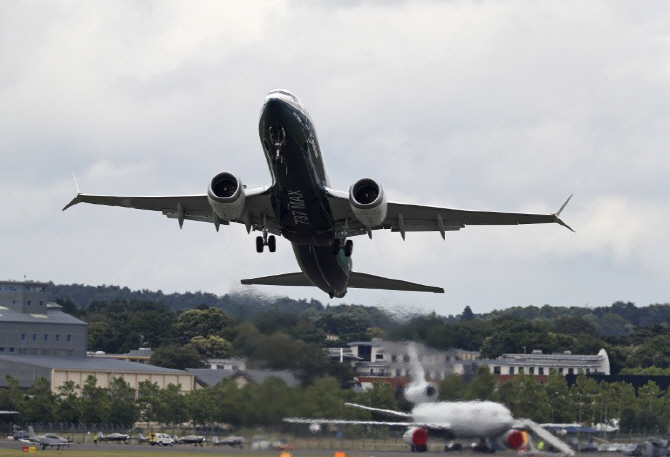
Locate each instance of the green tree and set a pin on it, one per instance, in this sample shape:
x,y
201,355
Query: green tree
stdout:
x,y
452,388
207,322
176,357
483,385
148,401
68,403
95,404
171,406
211,347
562,409
123,409
526,398
40,404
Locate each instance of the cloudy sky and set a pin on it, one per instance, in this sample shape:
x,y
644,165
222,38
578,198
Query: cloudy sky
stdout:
x,y
488,105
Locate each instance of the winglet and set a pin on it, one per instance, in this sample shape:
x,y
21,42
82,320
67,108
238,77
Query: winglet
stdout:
x,y
557,214
76,199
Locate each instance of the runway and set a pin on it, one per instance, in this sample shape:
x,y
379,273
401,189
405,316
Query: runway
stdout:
x,y
12,448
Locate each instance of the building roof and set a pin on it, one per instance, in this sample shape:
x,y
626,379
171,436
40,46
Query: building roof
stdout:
x,y
84,364
550,360
53,315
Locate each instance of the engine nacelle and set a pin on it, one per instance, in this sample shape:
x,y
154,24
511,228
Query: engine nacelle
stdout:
x,y
421,392
517,439
417,438
368,202
226,196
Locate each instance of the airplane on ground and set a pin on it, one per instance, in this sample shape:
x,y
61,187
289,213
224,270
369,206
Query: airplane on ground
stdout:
x,y
486,421
142,439
47,440
231,441
191,439
301,206
651,448
118,437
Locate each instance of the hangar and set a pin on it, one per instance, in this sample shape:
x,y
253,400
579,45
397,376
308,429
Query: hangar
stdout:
x,y
38,339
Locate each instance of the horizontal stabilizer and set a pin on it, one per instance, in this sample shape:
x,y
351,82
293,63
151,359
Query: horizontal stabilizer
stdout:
x,y
286,279
366,281
356,281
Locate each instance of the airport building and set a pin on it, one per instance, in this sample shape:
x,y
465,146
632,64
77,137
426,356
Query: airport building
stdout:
x,y
32,325
540,365
37,339
388,362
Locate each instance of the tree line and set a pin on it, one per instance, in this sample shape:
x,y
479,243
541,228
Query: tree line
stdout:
x,y
280,339
254,405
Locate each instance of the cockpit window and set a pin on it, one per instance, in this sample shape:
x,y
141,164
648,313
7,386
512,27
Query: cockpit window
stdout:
x,y
287,94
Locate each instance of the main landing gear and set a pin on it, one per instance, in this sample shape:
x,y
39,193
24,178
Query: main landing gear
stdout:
x,y
265,240
337,245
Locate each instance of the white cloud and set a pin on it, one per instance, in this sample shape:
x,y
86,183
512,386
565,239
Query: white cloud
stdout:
x,y
506,106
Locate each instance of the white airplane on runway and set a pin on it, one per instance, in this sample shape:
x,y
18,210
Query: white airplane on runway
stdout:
x,y
486,421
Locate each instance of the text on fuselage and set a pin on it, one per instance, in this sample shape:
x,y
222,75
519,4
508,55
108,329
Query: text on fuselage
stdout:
x,y
296,207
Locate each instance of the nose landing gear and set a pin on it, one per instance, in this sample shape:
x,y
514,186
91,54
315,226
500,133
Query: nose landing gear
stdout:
x,y
278,138
337,245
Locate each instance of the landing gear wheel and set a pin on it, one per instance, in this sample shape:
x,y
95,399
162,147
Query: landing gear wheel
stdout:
x,y
348,248
335,246
259,244
272,243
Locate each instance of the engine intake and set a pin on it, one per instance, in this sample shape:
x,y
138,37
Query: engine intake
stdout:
x,y
417,438
368,202
226,196
421,392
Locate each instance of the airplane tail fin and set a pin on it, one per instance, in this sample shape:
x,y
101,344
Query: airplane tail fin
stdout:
x,y
418,390
356,281
31,431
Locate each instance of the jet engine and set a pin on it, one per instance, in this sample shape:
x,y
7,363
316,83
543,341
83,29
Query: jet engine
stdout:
x,y
417,438
517,439
368,202
421,392
226,196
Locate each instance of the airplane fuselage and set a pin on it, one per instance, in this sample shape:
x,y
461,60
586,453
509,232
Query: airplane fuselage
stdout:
x,y
483,419
299,191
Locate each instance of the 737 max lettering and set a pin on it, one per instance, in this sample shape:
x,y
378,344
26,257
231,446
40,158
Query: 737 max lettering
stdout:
x,y
301,206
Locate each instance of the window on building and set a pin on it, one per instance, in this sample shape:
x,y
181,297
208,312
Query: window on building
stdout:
x,y
521,370
34,336
41,303
511,370
57,337
571,371
46,337
28,302
379,356
394,358
2,349
496,370
560,370
540,370
69,338
24,337
11,350
398,372
531,370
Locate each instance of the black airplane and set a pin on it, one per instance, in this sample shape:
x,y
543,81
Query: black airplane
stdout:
x,y
301,206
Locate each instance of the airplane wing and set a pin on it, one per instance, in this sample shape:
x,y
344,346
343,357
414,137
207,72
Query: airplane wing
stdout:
x,y
191,207
388,412
401,217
